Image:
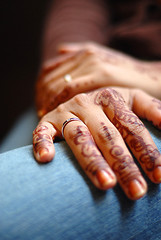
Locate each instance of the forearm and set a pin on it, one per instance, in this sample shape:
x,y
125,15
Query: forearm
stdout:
x,y
74,21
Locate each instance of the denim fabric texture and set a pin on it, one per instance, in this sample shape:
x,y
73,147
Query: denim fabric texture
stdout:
x,y
57,201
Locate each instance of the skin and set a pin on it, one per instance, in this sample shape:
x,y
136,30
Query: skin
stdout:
x,y
100,145
92,66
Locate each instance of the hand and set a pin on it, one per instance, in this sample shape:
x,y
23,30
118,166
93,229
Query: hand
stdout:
x,y
106,120
91,66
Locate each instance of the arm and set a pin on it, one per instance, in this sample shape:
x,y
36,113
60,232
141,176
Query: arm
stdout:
x,y
74,21
91,66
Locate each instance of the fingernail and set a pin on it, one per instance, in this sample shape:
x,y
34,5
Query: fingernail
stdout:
x,y
136,190
104,179
43,153
157,174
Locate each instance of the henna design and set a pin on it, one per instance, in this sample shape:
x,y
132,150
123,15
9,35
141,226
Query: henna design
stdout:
x,y
107,133
107,97
41,140
89,150
128,124
51,100
124,165
40,128
149,154
123,118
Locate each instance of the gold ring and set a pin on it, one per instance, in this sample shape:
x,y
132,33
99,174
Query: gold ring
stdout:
x,y
67,78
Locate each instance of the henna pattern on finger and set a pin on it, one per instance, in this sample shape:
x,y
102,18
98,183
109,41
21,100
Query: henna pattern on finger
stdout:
x,y
108,97
124,166
121,116
107,133
40,139
89,150
149,154
129,125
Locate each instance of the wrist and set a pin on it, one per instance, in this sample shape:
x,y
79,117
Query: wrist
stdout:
x,y
151,71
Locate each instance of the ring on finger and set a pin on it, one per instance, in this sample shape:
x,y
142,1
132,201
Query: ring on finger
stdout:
x,y
67,78
68,121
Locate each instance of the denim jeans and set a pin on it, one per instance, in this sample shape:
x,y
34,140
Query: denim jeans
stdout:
x,y
57,201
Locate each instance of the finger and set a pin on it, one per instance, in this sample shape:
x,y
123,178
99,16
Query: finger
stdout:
x,y
62,91
88,155
74,47
56,62
142,144
147,154
133,131
70,47
150,107
114,150
43,146
58,70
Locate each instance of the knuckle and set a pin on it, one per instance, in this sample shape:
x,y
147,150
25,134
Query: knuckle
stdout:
x,y
109,96
81,99
60,109
108,134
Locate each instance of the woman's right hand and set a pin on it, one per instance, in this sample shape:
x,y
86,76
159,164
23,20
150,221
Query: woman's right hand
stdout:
x,y
99,126
87,66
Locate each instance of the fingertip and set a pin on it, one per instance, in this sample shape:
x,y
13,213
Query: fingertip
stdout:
x,y
157,119
45,155
157,175
137,189
105,180
43,146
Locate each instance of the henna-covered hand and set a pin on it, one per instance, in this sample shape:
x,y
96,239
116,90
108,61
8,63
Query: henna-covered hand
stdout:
x,y
92,66
108,121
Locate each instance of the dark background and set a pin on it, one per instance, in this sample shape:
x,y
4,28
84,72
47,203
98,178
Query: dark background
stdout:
x,y
21,29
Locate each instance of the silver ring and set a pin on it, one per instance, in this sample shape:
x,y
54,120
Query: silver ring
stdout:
x,y
66,122
67,78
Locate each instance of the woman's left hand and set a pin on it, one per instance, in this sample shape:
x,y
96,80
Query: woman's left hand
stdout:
x,y
98,127
87,66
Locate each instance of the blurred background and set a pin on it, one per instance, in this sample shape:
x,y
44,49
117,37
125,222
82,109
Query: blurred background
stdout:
x,y
22,25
